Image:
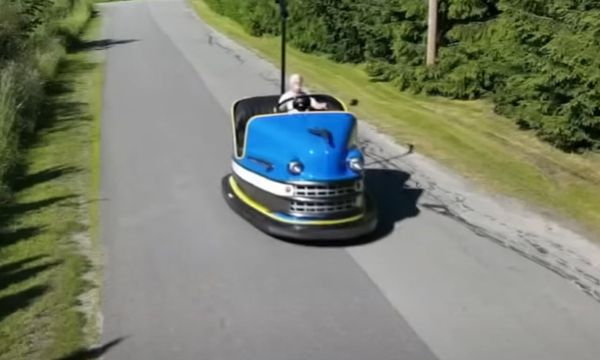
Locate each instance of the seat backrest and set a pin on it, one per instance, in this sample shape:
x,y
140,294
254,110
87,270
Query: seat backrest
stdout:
x,y
245,109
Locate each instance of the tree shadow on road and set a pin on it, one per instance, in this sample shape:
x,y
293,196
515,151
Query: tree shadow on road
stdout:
x,y
76,44
92,353
102,44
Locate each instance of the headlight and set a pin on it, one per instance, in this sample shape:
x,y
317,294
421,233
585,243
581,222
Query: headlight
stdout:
x,y
295,167
356,164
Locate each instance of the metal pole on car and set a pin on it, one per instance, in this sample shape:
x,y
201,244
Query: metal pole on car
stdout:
x,y
284,15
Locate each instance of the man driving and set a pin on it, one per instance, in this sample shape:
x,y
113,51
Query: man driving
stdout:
x,y
297,99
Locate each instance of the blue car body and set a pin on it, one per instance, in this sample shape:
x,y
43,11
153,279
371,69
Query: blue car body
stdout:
x,y
297,175
281,138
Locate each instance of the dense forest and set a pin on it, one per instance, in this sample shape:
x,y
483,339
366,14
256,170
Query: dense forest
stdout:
x,y
33,35
537,60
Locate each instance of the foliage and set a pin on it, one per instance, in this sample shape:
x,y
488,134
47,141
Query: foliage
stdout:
x,y
536,59
32,39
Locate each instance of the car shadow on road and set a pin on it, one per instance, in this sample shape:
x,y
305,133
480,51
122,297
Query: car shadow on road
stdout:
x,y
394,199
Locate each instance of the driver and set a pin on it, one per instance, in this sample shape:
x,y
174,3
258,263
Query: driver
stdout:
x,y
296,88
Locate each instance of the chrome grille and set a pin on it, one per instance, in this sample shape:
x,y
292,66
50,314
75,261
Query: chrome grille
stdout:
x,y
329,207
326,190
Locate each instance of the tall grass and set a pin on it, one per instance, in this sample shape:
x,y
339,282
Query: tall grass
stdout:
x,y
7,125
47,218
33,37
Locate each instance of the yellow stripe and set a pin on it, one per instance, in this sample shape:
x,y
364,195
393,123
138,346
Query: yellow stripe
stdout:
x,y
263,210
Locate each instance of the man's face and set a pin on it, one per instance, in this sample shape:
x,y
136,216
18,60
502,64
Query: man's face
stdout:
x,y
295,84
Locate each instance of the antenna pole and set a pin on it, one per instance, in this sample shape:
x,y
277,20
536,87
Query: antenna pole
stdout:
x,y
284,15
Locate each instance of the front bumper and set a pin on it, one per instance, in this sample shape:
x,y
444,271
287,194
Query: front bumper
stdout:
x,y
282,227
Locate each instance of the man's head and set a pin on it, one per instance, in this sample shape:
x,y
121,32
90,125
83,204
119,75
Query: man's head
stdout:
x,y
296,83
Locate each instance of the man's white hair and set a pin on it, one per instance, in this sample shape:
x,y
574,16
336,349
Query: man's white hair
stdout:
x,y
296,79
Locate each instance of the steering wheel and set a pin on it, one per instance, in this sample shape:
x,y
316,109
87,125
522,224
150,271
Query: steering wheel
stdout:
x,y
295,99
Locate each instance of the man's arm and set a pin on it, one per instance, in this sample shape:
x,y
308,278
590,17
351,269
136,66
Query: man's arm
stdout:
x,y
283,98
317,105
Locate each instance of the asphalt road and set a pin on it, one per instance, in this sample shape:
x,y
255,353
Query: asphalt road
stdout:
x,y
185,278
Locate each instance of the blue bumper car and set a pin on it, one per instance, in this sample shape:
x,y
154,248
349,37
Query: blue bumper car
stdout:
x,y
298,175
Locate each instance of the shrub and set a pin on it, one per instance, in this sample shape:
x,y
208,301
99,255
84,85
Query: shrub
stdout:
x,y
33,35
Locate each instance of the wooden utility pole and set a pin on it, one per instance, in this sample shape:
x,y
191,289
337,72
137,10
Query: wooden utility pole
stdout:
x,y
432,30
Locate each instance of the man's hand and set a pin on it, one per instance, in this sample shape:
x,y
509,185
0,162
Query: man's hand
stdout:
x,y
318,105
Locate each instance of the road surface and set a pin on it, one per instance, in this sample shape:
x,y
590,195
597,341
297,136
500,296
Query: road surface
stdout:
x,y
186,278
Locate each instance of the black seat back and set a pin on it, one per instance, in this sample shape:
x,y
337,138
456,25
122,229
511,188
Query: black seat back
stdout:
x,y
245,109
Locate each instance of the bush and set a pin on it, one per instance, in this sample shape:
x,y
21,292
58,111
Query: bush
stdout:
x,y
33,35
8,132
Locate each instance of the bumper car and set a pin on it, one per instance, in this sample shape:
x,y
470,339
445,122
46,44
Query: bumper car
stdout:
x,y
298,175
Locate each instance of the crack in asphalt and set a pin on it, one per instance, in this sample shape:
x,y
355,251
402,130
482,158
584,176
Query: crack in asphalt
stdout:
x,y
212,41
266,76
542,251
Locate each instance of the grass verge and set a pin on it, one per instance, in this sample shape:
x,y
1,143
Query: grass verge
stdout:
x,y
47,235
466,136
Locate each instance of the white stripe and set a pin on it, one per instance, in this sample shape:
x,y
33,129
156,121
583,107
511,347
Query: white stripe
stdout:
x,y
262,182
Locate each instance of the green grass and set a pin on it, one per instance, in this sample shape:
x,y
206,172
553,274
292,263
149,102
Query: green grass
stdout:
x,y
463,135
47,234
